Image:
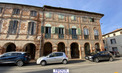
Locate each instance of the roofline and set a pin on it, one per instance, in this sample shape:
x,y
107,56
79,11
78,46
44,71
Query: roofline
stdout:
x,y
46,6
112,32
21,4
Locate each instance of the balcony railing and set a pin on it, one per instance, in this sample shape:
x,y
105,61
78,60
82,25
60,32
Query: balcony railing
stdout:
x,y
61,36
47,36
74,37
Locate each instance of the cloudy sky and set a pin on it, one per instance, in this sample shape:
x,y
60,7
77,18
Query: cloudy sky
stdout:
x,y
112,9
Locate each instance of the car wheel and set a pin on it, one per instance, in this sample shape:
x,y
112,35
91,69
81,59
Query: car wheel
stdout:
x,y
64,62
43,63
96,60
110,59
20,63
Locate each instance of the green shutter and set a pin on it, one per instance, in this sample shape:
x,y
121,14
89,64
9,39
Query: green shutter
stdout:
x,y
42,29
70,31
79,31
56,30
53,30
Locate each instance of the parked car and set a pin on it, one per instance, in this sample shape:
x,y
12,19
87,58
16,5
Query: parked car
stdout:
x,y
55,57
18,58
104,55
115,53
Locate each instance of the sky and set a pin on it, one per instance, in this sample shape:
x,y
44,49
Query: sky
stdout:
x,y
112,9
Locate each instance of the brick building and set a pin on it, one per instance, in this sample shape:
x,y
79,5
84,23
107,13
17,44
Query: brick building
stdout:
x,y
42,30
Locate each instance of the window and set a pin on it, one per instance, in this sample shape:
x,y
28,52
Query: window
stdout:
x,y
59,54
96,34
73,18
13,27
114,49
33,13
114,34
113,41
91,19
86,33
61,16
16,11
1,9
0,25
31,28
73,31
121,32
104,41
48,30
61,31
49,15
84,19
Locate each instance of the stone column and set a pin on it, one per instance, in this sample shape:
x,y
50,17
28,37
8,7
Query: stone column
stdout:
x,y
82,52
54,48
37,51
66,51
91,50
69,52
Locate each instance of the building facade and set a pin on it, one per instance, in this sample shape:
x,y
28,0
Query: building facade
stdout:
x,y
42,30
113,41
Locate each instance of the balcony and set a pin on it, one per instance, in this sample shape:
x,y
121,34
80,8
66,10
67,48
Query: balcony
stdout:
x,y
61,36
47,36
74,37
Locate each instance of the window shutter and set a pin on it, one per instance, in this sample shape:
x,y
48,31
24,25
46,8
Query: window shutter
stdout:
x,y
72,17
53,30
10,27
56,30
42,29
29,27
15,26
79,31
70,31
34,28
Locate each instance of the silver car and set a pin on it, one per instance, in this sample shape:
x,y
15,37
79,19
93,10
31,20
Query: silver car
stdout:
x,y
55,57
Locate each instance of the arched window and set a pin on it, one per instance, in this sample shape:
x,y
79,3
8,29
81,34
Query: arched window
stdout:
x,y
96,34
86,33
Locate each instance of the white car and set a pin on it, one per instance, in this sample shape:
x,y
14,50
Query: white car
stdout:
x,y
55,57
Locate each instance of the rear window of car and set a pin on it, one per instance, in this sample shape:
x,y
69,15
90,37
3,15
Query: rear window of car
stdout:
x,y
59,54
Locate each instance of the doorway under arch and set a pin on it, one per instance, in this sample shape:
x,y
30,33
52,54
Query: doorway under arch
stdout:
x,y
61,47
87,49
74,50
30,49
47,48
9,47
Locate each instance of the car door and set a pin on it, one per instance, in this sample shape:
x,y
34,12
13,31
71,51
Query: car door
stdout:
x,y
51,58
102,56
59,57
107,56
5,58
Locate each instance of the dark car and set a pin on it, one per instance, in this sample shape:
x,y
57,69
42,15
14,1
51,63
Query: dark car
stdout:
x,y
115,53
18,58
104,55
